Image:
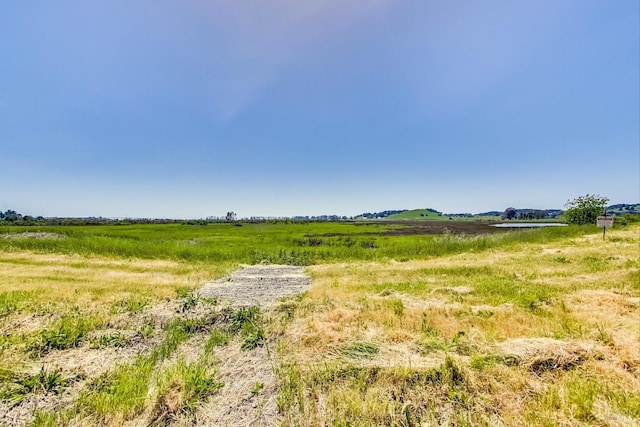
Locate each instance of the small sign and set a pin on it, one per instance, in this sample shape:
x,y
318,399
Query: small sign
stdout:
x,y
605,222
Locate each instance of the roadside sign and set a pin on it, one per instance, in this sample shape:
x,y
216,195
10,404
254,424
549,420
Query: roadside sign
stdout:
x,y
605,222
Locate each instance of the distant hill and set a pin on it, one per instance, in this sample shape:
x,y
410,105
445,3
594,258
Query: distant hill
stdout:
x,y
379,215
490,213
623,208
416,215
520,214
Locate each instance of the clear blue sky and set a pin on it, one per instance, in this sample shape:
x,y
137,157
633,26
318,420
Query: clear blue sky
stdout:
x,y
158,108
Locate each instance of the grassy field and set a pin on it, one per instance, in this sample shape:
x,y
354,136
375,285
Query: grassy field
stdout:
x,y
98,325
296,243
524,334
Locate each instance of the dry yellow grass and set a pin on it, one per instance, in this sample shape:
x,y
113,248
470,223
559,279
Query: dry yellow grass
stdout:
x,y
95,281
544,334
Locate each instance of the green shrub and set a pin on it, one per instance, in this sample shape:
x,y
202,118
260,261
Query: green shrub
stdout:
x,y
585,209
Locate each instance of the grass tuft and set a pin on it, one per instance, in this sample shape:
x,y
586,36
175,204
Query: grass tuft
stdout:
x,y
182,388
360,350
70,331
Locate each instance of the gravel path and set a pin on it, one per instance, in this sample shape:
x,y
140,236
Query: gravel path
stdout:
x,y
236,405
258,285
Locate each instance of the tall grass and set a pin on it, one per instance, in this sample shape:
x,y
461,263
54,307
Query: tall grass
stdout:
x,y
296,244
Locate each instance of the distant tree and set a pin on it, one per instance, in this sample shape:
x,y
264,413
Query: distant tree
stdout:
x,y
231,216
539,214
12,216
585,209
509,213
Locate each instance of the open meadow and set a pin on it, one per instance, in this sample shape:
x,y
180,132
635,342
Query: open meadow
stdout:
x,y
104,325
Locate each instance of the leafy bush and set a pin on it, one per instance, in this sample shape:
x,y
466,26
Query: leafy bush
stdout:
x,y
585,209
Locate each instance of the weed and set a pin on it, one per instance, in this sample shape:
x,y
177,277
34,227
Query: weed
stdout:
x,y
431,338
147,328
461,345
397,306
122,390
582,395
534,295
8,303
358,350
603,336
288,308
182,388
15,387
174,335
482,361
281,256
368,244
187,298
45,419
291,388
451,373
216,338
115,339
69,332
134,304
310,241
253,336
255,390
484,314
46,381
238,318
194,325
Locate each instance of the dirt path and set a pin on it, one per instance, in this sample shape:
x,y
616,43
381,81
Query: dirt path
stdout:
x,y
258,285
250,391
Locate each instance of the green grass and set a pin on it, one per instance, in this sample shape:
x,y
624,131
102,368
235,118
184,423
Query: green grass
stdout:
x,y
295,244
15,386
183,387
360,350
68,332
120,391
133,304
14,301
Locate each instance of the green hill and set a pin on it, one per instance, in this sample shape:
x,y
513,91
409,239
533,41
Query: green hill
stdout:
x,y
416,215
